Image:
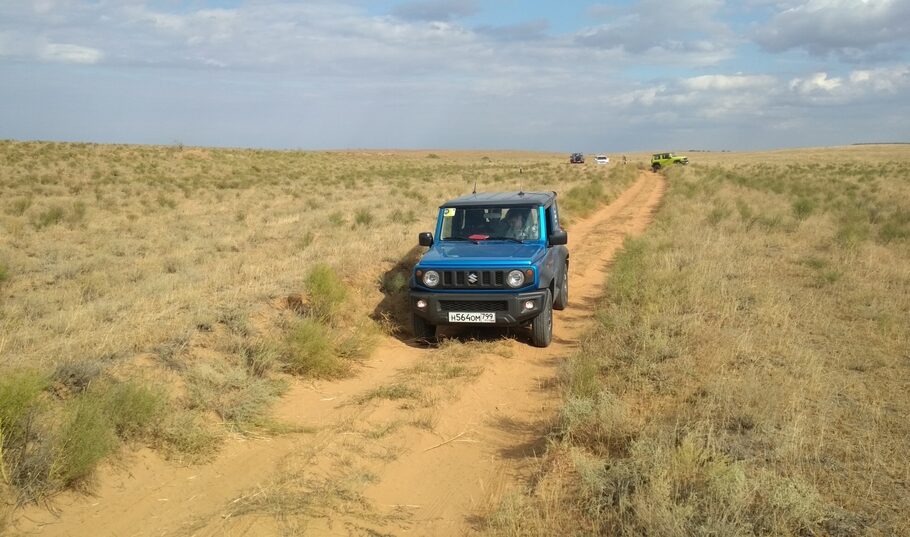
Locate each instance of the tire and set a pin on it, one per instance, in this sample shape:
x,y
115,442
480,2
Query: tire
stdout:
x,y
562,294
542,325
423,330
655,167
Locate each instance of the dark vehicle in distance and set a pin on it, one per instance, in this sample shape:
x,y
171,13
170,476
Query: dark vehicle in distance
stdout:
x,y
576,158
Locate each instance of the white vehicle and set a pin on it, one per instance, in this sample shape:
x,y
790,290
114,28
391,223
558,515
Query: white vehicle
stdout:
x,y
602,159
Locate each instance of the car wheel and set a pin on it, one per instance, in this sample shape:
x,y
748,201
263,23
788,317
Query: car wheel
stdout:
x,y
423,330
655,167
562,296
542,325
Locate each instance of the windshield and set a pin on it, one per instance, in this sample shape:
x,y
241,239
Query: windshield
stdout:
x,y
490,223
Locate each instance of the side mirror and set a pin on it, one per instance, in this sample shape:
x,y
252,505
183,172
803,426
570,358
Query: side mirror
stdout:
x,y
425,238
559,237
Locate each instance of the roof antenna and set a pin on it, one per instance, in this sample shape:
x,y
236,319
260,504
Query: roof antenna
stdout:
x,y
475,186
521,190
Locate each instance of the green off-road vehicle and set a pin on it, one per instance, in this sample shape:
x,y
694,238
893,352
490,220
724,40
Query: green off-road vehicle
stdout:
x,y
659,160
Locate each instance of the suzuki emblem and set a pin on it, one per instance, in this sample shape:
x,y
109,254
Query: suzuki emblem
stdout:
x,y
472,277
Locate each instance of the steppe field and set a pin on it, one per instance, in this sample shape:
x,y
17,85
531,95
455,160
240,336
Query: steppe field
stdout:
x,y
205,341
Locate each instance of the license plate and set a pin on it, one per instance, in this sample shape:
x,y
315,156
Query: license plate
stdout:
x,y
468,317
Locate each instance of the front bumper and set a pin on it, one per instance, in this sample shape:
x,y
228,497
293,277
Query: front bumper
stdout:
x,y
509,308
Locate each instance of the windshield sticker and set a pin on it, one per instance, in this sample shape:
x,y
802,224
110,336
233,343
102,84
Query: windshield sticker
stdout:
x,y
450,211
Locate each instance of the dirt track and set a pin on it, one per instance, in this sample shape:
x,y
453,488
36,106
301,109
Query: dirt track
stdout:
x,y
382,467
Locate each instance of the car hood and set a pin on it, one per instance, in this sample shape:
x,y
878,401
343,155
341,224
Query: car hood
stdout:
x,y
487,253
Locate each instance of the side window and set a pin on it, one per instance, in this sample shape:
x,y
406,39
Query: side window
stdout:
x,y
552,219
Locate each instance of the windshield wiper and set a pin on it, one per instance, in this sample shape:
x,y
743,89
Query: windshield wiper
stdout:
x,y
513,239
457,239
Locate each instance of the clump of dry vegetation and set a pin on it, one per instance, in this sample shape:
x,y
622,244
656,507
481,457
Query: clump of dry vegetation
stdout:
x,y
747,371
161,295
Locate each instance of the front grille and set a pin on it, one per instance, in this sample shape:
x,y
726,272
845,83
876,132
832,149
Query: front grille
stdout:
x,y
474,305
473,279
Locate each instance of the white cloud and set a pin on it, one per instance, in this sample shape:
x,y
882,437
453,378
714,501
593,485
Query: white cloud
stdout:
x,y
69,53
890,80
664,32
816,83
858,86
727,82
739,98
851,29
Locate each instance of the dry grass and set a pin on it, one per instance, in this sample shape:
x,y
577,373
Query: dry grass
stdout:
x,y
169,266
747,373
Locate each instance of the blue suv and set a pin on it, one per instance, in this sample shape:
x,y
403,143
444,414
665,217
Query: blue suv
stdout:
x,y
498,259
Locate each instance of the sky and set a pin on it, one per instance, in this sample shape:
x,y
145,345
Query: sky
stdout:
x,y
620,76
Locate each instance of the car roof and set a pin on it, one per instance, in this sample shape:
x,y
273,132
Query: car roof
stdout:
x,y
502,199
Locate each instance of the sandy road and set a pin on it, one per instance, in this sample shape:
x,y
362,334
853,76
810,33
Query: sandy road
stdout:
x,y
380,468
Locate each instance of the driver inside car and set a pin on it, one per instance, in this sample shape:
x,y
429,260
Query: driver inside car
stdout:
x,y
518,225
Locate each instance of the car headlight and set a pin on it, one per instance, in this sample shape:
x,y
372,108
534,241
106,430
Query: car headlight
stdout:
x,y
516,278
431,278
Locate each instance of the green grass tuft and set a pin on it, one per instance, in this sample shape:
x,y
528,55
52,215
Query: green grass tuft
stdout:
x,y
19,394
310,352
18,206
326,291
238,398
87,437
802,208
363,217
186,436
51,216
133,409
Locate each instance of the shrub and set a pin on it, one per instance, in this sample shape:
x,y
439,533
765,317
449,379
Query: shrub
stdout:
x,y
326,291
186,436
895,227
363,217
581,200
133,409
306,240
718,214
310,352
75,377
78,212
599,422
53,215
19,392
802,208
358,344
259,359
394,283
167,202
853,229
85,439
4,272
232,393
336,218
745,211
19,206
25,454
